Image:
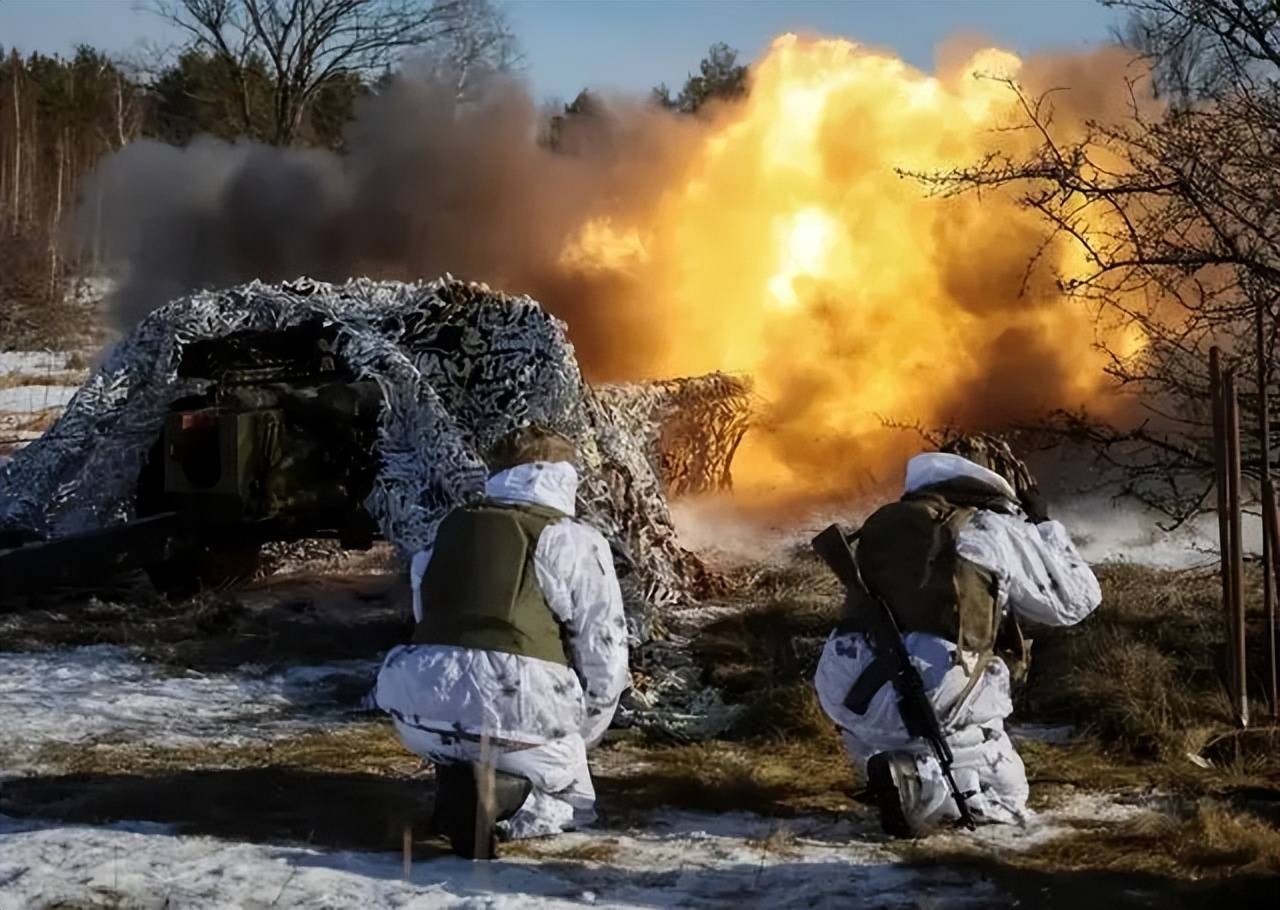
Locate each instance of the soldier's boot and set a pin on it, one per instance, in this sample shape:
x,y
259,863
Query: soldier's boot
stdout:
x,y
471,798
894,782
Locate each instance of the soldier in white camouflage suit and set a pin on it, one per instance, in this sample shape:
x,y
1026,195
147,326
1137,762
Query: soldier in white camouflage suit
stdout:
x,y
519,656
961,559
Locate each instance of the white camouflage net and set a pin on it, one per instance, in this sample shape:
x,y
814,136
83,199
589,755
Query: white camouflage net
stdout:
x,y
459,365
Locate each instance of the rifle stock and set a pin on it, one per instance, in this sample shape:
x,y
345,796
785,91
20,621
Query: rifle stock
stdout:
x,y
917,712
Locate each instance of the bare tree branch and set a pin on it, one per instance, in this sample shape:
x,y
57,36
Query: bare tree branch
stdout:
x,y
307,44
1177,215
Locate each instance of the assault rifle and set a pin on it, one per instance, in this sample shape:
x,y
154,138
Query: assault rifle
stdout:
x,y
914,706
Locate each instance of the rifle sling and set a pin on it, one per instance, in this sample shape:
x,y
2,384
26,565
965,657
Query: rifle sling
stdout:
x,y
869,682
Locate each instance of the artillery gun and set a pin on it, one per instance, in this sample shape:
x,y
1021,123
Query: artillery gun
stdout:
x,y
279,445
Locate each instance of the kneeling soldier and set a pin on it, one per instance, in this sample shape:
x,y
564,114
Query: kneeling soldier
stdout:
x,y
954,564
519,655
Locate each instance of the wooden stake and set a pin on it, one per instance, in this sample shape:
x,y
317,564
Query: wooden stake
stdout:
x,y
1270,541
1271,531
1231,409
407,845
1221,456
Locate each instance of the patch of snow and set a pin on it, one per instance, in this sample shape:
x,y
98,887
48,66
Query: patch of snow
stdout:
x,y
104,692
1108,532
34,362
687,862
1068,816
25,399
679,859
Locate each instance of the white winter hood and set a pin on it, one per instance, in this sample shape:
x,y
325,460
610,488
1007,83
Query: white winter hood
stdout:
x,y
544,483
937,467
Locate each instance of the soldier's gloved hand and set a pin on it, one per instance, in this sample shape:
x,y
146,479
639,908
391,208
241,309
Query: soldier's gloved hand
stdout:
x,y
1033,503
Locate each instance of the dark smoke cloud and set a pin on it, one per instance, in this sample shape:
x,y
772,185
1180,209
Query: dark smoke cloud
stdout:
x,y
428,185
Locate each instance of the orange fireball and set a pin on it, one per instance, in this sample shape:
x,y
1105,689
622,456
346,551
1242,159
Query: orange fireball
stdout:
x,y
792,248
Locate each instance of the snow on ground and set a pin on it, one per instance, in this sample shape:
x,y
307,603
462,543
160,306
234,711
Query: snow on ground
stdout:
x,y
681,859
105,693
35,362
26,399
670,858
730,533
48,373
1121,532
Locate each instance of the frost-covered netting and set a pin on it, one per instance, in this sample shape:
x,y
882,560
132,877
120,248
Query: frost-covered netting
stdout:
x,y
458,364
696,425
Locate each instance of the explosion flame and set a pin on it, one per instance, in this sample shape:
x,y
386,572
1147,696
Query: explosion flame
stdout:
x,y
792,248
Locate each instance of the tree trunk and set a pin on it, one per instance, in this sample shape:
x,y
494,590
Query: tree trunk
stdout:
x,y
120,139
284,114
17,144
97,232
246,110
55,219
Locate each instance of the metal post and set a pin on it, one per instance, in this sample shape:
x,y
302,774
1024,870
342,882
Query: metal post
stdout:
x,y
1271,521
1231,407
1220,459
1271,528
1268,513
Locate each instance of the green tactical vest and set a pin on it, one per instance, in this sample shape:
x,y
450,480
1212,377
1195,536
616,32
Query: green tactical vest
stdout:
x,y
907,555
481,590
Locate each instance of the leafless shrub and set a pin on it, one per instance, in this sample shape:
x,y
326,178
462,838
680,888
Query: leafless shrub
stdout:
x,y
1175,212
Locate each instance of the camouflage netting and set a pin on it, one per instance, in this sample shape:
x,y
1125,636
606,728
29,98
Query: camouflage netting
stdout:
x,y
992,452
696,424
459,365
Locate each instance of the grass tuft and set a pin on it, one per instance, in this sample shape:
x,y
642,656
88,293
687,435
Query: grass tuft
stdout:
x,y
1208,839
780,842
587,851
1143,674
780,779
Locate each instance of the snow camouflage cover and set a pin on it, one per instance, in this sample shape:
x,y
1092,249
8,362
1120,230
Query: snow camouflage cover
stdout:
x,y
458,365
697,425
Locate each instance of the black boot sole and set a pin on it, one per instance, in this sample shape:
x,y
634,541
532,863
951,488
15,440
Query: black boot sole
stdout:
x,y
883,787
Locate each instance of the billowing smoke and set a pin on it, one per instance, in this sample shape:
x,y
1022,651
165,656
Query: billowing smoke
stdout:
x,y
774,237
427,185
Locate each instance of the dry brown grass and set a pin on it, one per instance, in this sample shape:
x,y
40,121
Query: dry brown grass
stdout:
x,y
780,842
782,757
596,852
1143,675
789,713
366,748
282,620
768,778
1204,840
22,380
1206,854
764,657
352,788
39,421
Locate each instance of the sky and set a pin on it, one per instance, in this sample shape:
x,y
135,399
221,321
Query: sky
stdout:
x,y
632,45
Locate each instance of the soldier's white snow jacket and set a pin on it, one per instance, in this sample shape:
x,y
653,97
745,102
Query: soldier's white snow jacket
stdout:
x,y
527,715
1039,578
